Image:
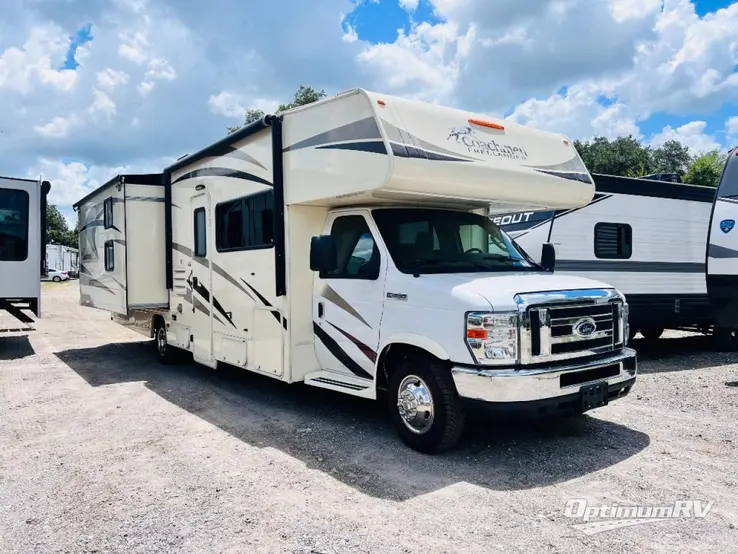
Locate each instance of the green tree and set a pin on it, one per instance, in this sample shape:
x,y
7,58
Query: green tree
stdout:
x,y
624,156
57,230
706,169
671,157
304,95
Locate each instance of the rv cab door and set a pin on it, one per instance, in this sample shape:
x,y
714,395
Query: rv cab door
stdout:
x,y
348,301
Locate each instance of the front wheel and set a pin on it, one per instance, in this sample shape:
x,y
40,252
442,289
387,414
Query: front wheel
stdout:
x,y
424,406
56,278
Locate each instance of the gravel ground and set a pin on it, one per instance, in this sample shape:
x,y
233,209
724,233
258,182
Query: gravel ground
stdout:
x,y
104,450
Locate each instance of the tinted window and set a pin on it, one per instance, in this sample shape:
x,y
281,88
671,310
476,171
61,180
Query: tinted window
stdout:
x,y
358,255
613,240
246,222
446,241
200,224
108,213
729,181
109,255
13,225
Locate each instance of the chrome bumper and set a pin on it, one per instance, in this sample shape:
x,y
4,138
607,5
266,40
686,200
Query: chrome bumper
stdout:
x,y
530,385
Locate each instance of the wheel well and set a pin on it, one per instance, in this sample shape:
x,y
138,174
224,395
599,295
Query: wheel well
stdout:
x,y
156,322
392,355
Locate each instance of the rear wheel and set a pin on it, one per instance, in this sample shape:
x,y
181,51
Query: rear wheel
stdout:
x,y
424,406
167,354
652,333
726,339
56,278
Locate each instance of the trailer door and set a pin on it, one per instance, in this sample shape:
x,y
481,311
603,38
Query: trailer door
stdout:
x,y
200,280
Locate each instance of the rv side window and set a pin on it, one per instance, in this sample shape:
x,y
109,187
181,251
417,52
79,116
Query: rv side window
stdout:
x,y
358,255
108,213
13,225
613,240
245,223
109,255
201,243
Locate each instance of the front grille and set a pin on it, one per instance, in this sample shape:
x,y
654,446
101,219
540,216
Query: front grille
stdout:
x,y
563,331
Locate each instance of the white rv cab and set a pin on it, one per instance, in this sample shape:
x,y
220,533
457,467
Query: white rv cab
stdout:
x,y
22,240
346,244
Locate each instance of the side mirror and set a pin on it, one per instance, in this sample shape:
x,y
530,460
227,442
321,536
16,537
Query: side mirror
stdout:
x,y
323,253
548,256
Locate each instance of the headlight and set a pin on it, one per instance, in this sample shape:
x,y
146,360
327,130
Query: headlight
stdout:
x,y
492,337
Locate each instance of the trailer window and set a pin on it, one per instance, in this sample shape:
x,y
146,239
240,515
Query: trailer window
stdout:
x,y
358,255
613,241
200,225
109,255
13,225
108,213
245,223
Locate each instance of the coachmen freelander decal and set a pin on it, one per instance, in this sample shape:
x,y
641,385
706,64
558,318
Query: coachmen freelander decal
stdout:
x,y
468,137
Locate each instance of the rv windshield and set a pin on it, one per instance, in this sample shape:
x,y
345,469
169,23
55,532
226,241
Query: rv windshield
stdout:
x,y
445,241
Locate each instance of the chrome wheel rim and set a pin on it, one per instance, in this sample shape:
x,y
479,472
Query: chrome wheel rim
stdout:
x,y
161,340
415,404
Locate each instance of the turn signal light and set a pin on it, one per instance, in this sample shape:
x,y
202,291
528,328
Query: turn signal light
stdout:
x,y
488,124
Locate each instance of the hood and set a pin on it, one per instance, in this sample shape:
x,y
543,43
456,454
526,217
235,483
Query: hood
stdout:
x,y
499,289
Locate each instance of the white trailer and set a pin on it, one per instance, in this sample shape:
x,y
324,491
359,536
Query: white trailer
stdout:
x,y
345,244
667,246
62,258
22,240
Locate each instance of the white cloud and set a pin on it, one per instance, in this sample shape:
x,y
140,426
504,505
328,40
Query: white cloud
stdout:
x,y
691,134
731,128
37,61
159,68
134,47
234,105
102,106
58,127
108,79
409,5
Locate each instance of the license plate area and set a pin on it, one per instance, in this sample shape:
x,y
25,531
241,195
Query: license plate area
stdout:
x,y
594,395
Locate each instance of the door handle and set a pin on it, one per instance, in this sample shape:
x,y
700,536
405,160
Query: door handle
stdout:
x,y
194,281
320,310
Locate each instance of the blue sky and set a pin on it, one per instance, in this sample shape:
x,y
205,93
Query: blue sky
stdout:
x,y
91,88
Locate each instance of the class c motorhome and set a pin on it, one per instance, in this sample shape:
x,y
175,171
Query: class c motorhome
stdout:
x,y
346,245
667,246
22,243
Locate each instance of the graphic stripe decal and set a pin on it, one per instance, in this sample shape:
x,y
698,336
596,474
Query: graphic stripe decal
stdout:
x,y
222,172
339,353
266,303
408,140
569,175
332,296
366,350
535,224
407,151
373,146
721,252
629,266
358,130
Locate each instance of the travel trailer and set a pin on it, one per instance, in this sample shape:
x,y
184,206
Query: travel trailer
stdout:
x,y
346,245
63,258
658,242
22,240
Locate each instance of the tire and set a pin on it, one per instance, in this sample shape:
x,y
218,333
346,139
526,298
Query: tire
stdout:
x,y
413,382
726,339
652,333
167,354
56,278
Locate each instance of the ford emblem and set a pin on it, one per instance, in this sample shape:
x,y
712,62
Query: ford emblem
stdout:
x,y
585,327
726,225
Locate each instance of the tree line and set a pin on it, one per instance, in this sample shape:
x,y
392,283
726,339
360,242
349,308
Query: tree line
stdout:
x,y
623,156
